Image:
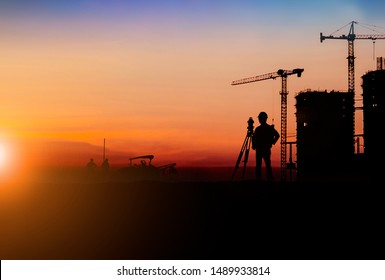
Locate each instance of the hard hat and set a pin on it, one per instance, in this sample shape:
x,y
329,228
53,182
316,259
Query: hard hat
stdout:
x,y
262,115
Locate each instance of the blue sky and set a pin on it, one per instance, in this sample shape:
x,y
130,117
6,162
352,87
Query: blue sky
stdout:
x,y
286,9
273,16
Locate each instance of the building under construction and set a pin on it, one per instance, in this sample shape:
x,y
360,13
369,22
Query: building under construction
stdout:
x,y
373,86
325,133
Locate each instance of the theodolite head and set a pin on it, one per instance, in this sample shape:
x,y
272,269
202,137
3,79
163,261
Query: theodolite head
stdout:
x,y
250,127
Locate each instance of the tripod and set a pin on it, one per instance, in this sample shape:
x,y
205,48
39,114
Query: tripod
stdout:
x,y
245,148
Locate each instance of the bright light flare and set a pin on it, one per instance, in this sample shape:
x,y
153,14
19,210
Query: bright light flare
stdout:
x,y
3,157
7,158
5,167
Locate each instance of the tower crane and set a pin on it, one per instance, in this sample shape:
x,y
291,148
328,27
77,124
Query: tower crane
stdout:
x,y
283,74
350,38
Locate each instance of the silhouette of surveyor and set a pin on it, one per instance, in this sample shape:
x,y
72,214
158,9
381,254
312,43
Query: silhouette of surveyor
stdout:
x,y
264,137
91,165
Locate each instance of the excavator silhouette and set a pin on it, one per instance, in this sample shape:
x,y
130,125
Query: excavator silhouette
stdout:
x,y
141,168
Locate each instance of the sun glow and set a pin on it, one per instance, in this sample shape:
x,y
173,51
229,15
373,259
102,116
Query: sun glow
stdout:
x,y
3,157
7,158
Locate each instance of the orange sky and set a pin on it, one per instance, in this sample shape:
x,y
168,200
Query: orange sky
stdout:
x,y
160,83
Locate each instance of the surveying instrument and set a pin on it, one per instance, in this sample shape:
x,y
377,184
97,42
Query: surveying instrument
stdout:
x,y
245,148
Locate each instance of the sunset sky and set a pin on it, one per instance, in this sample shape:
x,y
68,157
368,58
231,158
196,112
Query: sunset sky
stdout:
x,y
154,77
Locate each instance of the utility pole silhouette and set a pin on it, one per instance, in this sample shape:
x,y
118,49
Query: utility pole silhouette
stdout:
x,y
104,149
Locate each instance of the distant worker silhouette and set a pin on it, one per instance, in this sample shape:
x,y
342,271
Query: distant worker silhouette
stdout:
x,y
264,137
91,165
105,164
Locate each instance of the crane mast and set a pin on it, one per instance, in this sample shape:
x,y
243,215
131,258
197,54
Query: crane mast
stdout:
x,y
283,74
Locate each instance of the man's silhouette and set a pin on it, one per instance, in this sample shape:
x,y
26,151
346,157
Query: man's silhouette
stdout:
x,y
106,164
263,138
91,165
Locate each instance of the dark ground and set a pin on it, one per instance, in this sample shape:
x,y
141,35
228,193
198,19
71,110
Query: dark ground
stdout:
x,y
193,220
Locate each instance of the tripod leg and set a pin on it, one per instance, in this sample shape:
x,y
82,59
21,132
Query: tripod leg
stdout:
x,y
240,156
246,156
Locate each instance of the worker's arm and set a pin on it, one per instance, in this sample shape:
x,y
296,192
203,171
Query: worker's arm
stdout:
x,y
276,135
